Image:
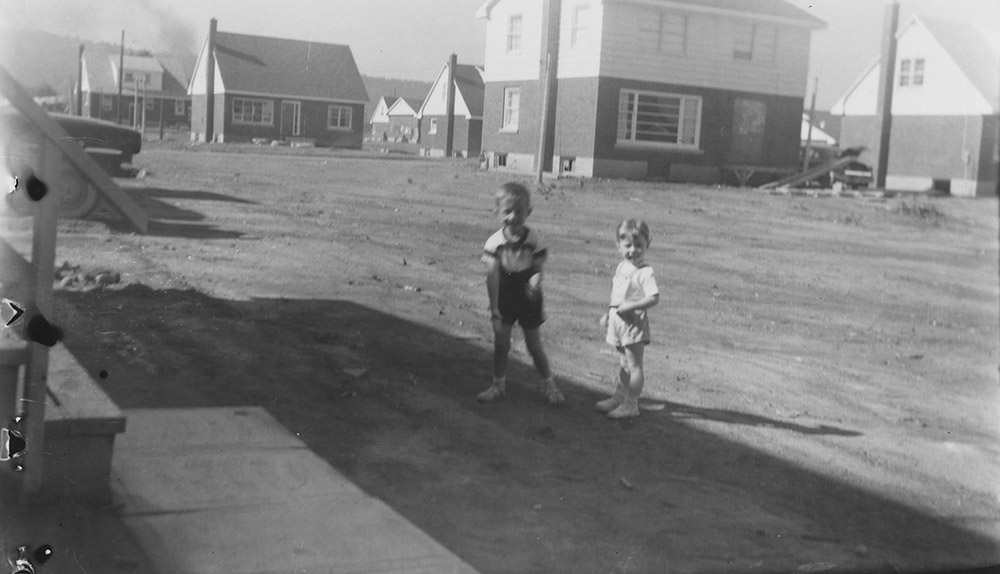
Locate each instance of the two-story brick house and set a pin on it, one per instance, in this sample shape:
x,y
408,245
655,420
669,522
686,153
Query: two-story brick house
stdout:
x,y
680,90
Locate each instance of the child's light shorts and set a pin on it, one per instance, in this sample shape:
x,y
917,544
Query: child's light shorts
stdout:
x,y
631,329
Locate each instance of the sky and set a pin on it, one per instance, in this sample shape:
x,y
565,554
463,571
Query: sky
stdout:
x,y
412,39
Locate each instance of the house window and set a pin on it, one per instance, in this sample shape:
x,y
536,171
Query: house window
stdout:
x,y
514,33
339,117
511,109
755,42
663,31
434,127
107,103
581,22
129,77
911,72
659,119
765,43
178,107
254,112
743,41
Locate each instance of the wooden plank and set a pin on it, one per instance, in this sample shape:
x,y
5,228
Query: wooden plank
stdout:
x,y
807,175
43,258
73,153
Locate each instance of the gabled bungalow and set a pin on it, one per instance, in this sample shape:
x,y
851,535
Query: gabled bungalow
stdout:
x,y
467,131
379,121
681,90
255,88
945,106
403,125
156,83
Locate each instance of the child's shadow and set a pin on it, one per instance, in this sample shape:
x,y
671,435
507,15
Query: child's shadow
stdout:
x,y
682,411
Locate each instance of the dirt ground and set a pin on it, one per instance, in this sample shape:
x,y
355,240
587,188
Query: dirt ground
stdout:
x,y
822,391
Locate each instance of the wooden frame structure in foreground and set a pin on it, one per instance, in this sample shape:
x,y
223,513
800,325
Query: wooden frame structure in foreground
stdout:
x,y
57,162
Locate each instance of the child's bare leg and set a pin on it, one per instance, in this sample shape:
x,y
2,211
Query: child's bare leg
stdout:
x,y
501,350
611,403
637,378
533,340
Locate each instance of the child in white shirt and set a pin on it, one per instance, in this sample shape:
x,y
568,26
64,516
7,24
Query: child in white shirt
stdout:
x,y
633,292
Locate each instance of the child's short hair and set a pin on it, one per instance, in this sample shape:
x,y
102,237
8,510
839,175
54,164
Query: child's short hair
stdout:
x,y
633,229
518,192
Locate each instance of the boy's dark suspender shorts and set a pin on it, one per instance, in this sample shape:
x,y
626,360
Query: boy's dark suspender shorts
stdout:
x,y
515,306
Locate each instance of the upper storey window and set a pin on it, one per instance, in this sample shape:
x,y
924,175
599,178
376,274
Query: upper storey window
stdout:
x,y
514,33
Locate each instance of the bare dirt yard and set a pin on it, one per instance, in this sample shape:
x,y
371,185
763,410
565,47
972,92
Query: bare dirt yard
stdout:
x,y
822,391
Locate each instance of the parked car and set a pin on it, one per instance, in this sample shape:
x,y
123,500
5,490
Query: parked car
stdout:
x,y
854,174
110,145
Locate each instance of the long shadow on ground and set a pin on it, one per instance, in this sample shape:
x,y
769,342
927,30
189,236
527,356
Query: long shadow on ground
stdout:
x,y
168,220
511,487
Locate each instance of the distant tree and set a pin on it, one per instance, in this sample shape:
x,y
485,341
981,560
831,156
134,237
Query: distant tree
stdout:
x,y
41,91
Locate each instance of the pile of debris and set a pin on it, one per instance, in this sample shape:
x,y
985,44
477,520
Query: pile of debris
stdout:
x,y
74,278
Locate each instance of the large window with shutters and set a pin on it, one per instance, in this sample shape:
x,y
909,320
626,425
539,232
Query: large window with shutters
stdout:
x,y
659,119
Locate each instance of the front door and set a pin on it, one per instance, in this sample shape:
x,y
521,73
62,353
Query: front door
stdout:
x,y
290,112
747,143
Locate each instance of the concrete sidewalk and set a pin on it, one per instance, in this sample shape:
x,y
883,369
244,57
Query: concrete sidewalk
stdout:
x,y
231,490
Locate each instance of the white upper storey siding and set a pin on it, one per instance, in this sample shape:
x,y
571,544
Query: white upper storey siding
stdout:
x,y
655,41
505,62
943,88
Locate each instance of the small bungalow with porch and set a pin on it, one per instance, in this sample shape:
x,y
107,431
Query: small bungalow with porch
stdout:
x,y
379,121
256,89
680,90
156,84
945,110
467,131
403,125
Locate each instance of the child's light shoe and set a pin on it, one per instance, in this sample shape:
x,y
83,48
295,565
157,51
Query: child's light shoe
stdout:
x,y
611,403
629,408
552,393
491,394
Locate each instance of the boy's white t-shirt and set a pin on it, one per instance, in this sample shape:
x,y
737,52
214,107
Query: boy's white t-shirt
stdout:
x,y
632,283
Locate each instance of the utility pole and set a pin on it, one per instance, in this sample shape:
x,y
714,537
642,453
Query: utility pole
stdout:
x,y
79,82
885,88
809,132
121,74
450,108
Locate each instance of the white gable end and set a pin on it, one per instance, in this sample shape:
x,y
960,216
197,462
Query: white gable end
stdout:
x,y
197,86
436,102
945,90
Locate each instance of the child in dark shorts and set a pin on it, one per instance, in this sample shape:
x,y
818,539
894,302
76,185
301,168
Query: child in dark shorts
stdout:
x,y
514,256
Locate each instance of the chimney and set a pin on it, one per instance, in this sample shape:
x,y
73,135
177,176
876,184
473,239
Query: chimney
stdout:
x,y
210,83
885,87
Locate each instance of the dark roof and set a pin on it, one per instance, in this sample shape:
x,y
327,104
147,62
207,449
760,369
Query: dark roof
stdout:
x,y
469,82
972,52
263,65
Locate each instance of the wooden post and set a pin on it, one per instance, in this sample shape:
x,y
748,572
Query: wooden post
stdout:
x,y
79,82
809,132
135,105
161,119
540,161
143,110
449,142
121,75
43,257
885,88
